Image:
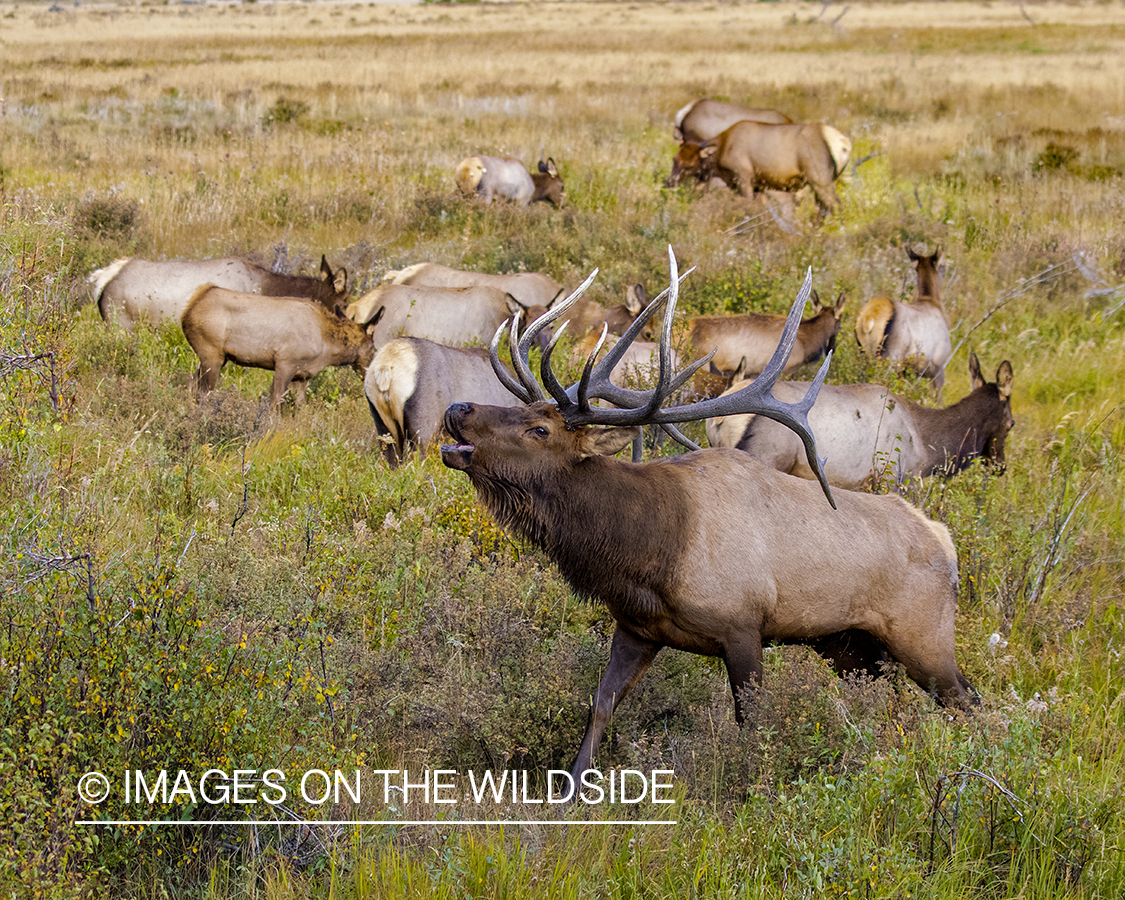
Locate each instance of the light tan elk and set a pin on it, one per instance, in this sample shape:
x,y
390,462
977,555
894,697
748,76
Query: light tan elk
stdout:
x,y
411,383
131,290
529,288
445,315
702,120
745,343
293,337
869,434
710,552
917,333
501,176
750,157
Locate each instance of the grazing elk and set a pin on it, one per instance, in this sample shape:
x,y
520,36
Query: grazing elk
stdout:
x,y
445,315
745,343
869,434
710,552
293,337
504,177
130,290
412,381
529,288
702,120
749,157
915,333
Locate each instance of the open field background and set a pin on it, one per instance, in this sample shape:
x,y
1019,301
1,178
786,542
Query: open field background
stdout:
x,y
188,585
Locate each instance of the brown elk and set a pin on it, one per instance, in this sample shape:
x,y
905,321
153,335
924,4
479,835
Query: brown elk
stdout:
x,y
869,434
744,343
529,288
654,541
702,120
501,176
749,157
916,333
411,383
132,290
293,337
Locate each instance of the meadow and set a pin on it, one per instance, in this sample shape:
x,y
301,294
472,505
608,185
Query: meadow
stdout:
x,y
191,585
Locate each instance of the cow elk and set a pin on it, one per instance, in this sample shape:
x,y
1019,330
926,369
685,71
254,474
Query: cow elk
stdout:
x,y
411,383
916,334
501,176
749,157
702,120
293,337
710,552
870,435
445,315
745,343
529,288
132,290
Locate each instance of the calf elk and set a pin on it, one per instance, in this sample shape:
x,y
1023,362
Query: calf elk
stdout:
x,y
710,552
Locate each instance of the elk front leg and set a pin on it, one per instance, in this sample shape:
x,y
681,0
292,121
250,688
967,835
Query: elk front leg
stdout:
x,y
743,657
629,657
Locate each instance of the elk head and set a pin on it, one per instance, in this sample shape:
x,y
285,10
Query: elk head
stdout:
x,y
693,159
998,419
518,444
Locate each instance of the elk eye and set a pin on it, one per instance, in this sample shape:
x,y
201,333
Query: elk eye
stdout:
x,y
539,431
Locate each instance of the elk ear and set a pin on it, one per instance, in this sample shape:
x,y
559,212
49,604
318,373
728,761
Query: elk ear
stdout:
x,y
975,378
914,257
1004,380
839,307
707,151
551,170
635,299
937,256
610,441
325,269
815,298
340,282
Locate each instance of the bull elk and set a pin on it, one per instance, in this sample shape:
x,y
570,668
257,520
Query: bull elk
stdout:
x,y
916,334
868,433
293,337
131,290
654,541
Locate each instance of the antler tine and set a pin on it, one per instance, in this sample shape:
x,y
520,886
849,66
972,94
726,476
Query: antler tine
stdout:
x,y
600,377
500,369
519,362
550,382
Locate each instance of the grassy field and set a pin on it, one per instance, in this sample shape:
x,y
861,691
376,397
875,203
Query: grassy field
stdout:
x,y
193,586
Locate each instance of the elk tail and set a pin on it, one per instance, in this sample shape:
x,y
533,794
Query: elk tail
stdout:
x,y
839,148
99,278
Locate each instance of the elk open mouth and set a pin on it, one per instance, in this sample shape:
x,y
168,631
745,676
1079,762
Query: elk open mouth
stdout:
x,y
458,455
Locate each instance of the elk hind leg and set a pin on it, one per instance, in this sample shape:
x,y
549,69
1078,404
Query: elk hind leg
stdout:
x,y
743,657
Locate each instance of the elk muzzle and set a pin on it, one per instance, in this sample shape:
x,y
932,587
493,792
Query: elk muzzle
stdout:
x,y
458,455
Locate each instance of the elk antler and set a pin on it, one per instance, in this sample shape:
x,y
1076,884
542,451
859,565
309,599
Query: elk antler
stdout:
x,y
645,407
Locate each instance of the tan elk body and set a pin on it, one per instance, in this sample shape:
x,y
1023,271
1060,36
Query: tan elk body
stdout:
x,y
711,552
869,434
915,333
412,381
293,337
133,290
445,315
751,157
702,120
529,288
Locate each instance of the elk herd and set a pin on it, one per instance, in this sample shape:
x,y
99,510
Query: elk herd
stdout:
x,y
864,578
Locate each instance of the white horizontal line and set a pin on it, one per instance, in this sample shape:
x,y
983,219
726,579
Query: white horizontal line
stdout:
x,y
458,822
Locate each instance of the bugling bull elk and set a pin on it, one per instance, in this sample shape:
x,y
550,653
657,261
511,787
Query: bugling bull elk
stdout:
x,y
873,577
